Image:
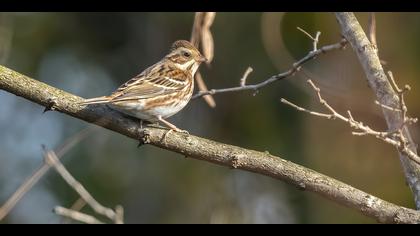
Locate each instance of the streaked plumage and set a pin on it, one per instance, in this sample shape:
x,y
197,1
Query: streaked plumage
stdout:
x,y
161,90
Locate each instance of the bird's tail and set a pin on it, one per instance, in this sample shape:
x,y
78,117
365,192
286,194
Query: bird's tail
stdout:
x,y
97,100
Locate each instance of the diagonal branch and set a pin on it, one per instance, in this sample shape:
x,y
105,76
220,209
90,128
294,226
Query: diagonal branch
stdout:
x,y
76,215
385,93
208,150
295,67
35,177
51,159
77,206
394,138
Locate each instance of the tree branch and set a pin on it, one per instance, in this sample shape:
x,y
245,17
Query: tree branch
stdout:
x,y
76,206
76,215
208,150
36,176
394,137
384,92
295,67
51,159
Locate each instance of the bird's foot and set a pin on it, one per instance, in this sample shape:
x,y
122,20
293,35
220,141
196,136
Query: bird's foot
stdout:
x,y
143,134
173,130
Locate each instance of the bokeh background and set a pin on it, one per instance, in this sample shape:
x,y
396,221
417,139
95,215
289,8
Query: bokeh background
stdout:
x,y
90,54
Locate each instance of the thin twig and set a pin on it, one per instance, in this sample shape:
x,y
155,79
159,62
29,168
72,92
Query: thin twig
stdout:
x,y
403,107
119,214
248,71
387,107
361,129
328,116
37,175
381,86
315,39
393,83
77,206
372,30
306,33
76,215
51,159
21,191
315,43
295,67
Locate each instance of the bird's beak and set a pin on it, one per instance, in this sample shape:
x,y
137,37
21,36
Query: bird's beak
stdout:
x,y
202,59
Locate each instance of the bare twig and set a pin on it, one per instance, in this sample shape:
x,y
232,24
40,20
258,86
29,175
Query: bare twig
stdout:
x,y
394,84
34,178
315,43
295,67
392,138
403,107
52,160
119,214
328,116
315,39
372,30
306,33
248,71
76,215
400,93
21,191
387,107
385,94
77,206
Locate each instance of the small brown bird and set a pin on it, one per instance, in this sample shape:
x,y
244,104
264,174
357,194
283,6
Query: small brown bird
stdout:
x,y
161,90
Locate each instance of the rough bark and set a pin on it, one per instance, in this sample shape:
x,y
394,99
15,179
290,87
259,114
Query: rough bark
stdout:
x,y
208,150
384,92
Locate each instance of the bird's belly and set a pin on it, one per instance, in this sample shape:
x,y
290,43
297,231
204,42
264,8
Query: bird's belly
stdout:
x,y
144,111
168,110
135,109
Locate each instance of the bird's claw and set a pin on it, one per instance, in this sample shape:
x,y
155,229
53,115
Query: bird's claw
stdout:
x,y
173,130
143,134
182,131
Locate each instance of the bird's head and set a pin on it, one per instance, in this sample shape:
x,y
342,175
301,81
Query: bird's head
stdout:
x,y
185,56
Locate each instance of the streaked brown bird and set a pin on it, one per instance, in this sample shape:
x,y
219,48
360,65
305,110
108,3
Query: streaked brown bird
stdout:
x,y
161,90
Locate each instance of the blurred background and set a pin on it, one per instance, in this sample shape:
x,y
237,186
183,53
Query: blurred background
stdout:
x,y
91,54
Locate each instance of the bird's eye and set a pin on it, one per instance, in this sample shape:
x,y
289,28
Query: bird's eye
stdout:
x,y
186,54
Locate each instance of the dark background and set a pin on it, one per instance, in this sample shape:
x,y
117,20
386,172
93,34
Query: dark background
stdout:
x,y
91,54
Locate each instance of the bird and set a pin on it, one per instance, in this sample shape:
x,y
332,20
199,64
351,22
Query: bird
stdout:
x,y
161,90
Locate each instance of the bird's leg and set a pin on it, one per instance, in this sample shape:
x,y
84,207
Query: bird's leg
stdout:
x,y
171,127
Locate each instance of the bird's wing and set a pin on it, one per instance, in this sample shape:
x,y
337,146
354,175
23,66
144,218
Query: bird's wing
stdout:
x,y
159,79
